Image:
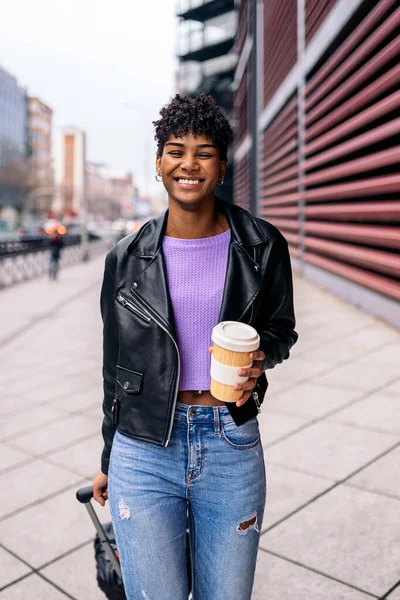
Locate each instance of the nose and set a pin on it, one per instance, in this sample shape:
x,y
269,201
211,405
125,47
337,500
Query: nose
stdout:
x,y
189,163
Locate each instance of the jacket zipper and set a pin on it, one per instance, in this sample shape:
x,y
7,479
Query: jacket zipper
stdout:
x,y
178,377
125,302
257,402
256,266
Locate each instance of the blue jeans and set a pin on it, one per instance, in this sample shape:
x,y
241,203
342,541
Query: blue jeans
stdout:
x,y
212,471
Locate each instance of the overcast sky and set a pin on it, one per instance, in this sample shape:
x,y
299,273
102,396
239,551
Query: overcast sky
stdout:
x,y
86,59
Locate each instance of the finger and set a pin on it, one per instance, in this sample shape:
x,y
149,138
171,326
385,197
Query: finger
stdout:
x,y
254,371
247,385
257,355
243,399
210,350
98,497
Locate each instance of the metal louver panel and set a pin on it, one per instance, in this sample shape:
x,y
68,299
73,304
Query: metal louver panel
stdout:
x,y
241,183
280,42
279,175
352,154
316,11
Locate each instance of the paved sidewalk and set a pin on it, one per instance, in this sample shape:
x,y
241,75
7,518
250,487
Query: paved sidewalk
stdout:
x,y
330,429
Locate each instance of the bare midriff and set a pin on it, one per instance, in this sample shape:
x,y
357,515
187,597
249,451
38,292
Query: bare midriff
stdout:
x,y
200,398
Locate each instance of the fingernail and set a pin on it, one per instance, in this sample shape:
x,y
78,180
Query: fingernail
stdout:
x,y
242,372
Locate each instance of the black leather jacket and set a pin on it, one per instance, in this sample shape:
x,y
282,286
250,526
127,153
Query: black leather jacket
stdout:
x,y
140,355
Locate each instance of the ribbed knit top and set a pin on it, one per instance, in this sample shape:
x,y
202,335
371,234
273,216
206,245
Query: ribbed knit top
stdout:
x,y
195,271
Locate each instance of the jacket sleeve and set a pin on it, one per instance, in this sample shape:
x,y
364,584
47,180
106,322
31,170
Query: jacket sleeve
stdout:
x,y
276,313
110,359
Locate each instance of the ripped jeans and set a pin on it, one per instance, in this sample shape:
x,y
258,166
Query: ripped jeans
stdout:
x,y
212,471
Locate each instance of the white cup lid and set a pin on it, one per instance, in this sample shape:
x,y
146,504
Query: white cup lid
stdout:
x,y
235,336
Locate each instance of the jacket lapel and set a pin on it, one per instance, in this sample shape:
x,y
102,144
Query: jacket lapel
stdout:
x,y
151,284
152,288
242,283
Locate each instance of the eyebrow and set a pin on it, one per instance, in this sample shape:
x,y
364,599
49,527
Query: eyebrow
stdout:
x,y
183,145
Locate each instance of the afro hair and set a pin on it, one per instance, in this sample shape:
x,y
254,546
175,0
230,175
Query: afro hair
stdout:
x,y
199,115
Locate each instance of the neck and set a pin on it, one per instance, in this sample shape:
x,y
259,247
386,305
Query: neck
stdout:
x,y
197,222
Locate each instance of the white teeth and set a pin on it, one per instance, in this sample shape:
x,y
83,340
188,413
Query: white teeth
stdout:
x,y
189,181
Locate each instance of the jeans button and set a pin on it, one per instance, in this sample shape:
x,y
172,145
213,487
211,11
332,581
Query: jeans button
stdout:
x,y
192,412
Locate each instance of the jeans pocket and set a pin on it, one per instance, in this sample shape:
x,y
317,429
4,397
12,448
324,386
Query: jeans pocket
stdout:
x,y
241,437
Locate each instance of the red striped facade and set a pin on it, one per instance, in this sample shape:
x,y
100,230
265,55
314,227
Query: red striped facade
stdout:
x,y
328,143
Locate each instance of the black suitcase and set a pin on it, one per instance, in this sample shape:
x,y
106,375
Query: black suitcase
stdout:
x,y
108,569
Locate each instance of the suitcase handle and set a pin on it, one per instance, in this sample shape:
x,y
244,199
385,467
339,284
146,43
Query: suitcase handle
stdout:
x,y
84,496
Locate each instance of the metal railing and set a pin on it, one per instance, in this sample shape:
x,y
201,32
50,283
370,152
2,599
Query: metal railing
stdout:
x,y
22,266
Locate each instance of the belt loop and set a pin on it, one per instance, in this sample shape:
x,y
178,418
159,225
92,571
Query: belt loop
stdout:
x,y
217,423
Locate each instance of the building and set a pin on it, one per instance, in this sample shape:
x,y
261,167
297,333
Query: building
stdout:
x,y
317,139
110,193
40,167
207,56
70,173
13,142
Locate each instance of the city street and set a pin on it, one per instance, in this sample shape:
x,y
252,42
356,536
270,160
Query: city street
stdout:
x,y
330,428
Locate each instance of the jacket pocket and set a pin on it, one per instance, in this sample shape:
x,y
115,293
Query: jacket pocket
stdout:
x,y
129,381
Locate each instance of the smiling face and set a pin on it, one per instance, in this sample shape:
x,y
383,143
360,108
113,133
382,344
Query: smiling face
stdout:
x,y
190,168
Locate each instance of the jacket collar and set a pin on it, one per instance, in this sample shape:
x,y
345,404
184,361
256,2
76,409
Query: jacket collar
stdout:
x,y
244,230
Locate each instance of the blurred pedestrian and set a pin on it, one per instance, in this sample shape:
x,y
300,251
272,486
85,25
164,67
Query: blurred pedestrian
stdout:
x,y
171,448
56,244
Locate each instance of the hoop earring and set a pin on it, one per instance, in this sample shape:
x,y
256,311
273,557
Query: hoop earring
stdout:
x,y
155,177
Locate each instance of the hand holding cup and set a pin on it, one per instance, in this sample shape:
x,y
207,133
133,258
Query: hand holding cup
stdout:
x,y
233,371
252,373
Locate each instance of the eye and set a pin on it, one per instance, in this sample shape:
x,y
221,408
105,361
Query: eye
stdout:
x,y
205,155
175,153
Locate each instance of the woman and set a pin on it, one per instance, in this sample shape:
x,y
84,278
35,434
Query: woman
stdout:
x,y
175,449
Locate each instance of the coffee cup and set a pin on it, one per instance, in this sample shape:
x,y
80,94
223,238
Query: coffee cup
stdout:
x,y
232,343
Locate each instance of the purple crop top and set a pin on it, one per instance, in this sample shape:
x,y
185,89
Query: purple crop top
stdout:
x,y
195,271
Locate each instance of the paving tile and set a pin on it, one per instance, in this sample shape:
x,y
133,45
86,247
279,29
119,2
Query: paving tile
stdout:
x,y
357,375
278,384
50,437
25,384
330,449
333,535
381,476
309,400
25,420
287,490
393,388
299,369
395,595
379,412
87,398
10,456
28,483
43,532
274,426
83,457
386,356
278,579
11,568
32,587
77,574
